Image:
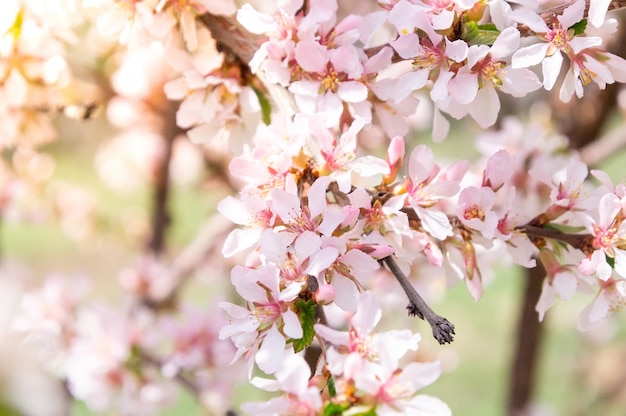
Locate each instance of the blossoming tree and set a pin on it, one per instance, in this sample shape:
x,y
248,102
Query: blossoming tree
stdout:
x,y
307,109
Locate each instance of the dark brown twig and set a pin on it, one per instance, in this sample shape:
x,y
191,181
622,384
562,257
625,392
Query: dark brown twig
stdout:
x,y
443,330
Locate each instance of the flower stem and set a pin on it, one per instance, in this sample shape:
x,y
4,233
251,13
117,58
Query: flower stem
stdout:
x,y
443,330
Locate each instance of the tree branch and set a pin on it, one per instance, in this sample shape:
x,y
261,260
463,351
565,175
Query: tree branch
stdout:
x,y
443,330
582,242
232,38
606,146
160,211
181,378
188,260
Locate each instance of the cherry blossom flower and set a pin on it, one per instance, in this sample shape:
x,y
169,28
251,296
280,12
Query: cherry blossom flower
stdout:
x,y
610,297
475,210
474,86
561,281
215,107
558,40
432,56
268,318
608,231
426,186
301,397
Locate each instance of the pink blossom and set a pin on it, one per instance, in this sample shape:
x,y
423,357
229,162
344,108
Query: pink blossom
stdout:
x,y
608,231
475,210
301,398
425,187
561,280
611,297
473,89
267,320
337,156
557,41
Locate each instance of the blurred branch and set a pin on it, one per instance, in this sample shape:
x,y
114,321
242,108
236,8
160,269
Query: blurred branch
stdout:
x,y
525,356
160,211
606,146
194,254
181,378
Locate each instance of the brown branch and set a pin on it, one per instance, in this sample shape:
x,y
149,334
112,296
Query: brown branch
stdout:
x,y
160,211
232,38
443,330
582,242
526,353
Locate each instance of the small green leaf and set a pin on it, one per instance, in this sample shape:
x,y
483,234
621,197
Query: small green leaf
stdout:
x,y
334,409
306,313
611,261
476,34
579,28
331,387
266,108
569,229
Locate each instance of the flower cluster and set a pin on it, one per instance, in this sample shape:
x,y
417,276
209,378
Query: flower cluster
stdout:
x,y
363,370
323,219
463,59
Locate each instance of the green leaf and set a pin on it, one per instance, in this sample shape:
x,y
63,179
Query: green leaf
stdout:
x,y
334,409
266,108
579,28
475,34
306,313
611,261
331,387
569,229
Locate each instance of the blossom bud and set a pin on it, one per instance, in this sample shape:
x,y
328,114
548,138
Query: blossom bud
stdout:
x,y
498,170
325,294
477,11
474,282
377,251
395,157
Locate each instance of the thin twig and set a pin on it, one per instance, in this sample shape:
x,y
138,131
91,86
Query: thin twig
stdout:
x,y
605,147
181,378
205,242
582,242
443,330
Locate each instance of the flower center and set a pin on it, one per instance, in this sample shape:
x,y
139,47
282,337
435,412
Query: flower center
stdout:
x,y
474,212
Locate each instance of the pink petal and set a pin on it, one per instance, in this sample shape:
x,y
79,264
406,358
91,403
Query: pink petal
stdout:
x,y
352,92
530,19
486,107
573,14
530,55
270,354
368,314
311,56
292,328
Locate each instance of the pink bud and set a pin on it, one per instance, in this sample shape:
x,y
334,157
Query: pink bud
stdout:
x,y
377,251
350,216
498,170
325,294
395,157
